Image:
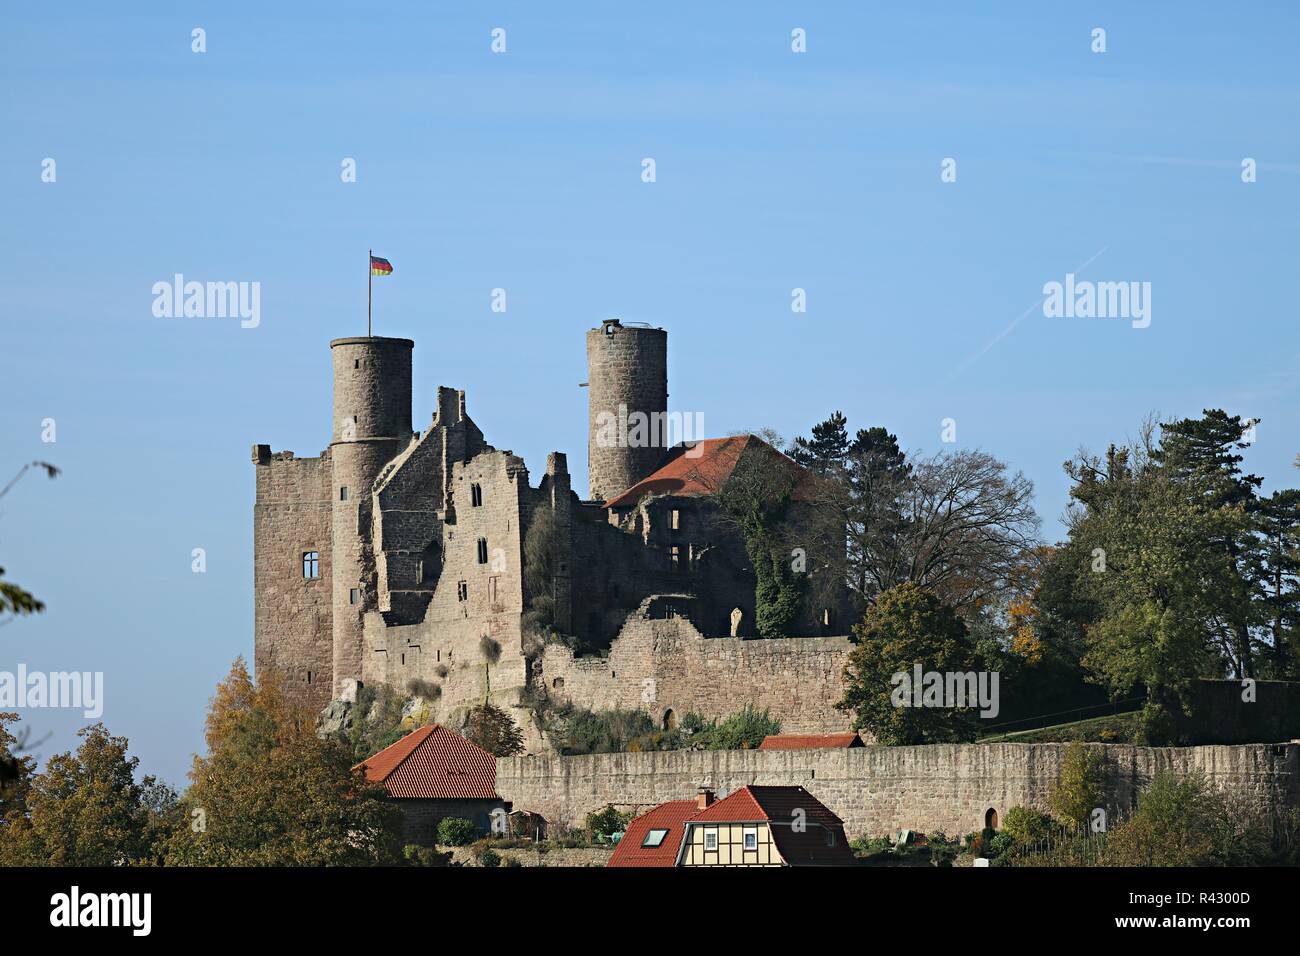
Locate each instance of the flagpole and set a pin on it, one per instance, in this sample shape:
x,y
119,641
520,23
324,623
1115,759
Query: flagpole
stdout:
x,y
369,282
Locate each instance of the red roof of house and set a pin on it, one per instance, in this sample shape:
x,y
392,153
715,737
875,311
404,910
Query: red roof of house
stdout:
x,y
433,763
774,805
701,469
809,741
671,816
778,806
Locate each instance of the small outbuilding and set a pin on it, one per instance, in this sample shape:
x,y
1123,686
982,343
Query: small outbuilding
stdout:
x,y
433,773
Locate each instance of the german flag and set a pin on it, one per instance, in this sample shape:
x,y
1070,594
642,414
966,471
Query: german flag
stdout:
x,y
380,267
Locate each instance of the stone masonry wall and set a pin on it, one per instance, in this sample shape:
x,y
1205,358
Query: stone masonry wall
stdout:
x,y
292,614
469,643
878,790
665,666
628,367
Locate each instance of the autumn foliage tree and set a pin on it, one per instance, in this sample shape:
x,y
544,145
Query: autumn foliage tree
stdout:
x,y
908,625
270,792
88,809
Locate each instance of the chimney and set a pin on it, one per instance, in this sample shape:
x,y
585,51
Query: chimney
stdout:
x,y
705,799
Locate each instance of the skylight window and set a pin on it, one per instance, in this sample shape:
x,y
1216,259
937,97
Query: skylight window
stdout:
x,y
654,838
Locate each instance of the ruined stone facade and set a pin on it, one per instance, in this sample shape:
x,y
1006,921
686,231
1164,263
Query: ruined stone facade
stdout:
x,y
403,557
880,790
661,663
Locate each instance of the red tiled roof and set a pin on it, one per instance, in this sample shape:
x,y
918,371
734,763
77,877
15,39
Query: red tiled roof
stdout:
x,y
671,816
767,803
433,763
777,805
700,470
809,741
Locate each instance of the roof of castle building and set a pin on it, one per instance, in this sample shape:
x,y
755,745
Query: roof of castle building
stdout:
x,y
701,468
433,763
810,741
667,823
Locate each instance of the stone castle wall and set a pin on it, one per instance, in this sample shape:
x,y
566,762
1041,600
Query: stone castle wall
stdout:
x,y
878,790
292,614
666,667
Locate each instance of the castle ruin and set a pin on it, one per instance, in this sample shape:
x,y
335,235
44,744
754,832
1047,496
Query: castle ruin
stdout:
x,y
427,559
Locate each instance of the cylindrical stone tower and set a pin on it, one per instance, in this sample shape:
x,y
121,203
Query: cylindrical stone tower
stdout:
x,y
627,374
372,423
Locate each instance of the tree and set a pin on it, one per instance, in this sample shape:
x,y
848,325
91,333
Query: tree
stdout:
x,y
87,809
907,626
827,448
15,770
1162,593
1276,572
14,600
493,729
269,792
1080,789
1201,454
754,501
1162,571
958,522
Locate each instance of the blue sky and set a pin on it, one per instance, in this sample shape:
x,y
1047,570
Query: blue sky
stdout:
x,y
522,171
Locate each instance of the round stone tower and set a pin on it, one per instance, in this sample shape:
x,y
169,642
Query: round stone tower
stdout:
x,y
372,423
627,374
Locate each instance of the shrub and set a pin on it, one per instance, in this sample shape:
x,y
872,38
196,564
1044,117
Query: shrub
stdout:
x,y
942,854
999,845
1182,821
489,858
425,856
494,730
743,730
607,822
1028,826
582,731
417,687
1079,790
378,721
456,831
870,846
